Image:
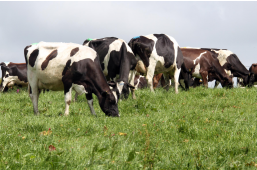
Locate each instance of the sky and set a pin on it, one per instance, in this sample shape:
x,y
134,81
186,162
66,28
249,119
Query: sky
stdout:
x,y
210,24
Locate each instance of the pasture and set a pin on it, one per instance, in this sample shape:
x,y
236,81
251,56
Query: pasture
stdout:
x,y
198,129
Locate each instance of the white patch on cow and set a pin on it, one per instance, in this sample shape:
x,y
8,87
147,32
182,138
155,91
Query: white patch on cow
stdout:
x,y
138,81
114,46
223,55
196,72
84,54
67,99
80,89
228,72
120,86
114,93
198,58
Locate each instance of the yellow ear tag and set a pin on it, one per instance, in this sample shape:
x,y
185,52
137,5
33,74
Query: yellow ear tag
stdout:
x,y
189,69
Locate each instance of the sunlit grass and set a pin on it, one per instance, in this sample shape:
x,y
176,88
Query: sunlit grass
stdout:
x,y
200,128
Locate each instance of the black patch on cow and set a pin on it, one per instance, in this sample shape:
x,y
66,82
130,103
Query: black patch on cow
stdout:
x,y
101,46
30,91
102,66
180,59
51,56
26,52
237,68
142,47
66,68
165,47
74,51
114,66
33,57
68,80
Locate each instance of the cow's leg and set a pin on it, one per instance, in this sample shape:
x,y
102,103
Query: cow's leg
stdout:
x,y
90,103
150,73
76,97
132,75
176,78
67,99
204,75
216,83
166,77
34,95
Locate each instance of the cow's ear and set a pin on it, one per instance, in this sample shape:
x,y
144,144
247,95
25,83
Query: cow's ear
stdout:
x,y
111,83
130,86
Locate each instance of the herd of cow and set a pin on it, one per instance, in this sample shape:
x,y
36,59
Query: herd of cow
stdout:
x,y
86,69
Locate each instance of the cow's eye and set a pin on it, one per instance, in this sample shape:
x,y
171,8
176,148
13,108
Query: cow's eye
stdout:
x,y
7,75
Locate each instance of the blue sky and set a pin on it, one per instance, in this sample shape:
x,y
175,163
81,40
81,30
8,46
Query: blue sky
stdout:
x,y
215,24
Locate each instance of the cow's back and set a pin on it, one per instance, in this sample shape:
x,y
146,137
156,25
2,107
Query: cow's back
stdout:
x,y
51,61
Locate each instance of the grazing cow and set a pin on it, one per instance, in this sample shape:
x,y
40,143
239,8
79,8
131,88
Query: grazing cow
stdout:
x,y
232,65
203,65
13,74
67,66
117,61
158,53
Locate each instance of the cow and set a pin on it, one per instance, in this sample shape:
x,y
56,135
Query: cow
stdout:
x,y
117,61
158,53
203,65
13,74
67,66
232,65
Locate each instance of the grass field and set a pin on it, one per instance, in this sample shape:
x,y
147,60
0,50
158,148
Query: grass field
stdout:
x,y
198,129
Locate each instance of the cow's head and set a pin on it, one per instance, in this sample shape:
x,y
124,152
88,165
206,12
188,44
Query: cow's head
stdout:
x,y
124,89
250,80
6,75
108,104
227,81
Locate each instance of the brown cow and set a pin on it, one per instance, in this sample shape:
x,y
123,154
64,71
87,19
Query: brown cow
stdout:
x,y
203,65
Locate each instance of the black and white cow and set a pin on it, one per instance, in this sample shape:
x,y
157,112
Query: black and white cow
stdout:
x,y
13,74
158,53
117,61
232,65
67,66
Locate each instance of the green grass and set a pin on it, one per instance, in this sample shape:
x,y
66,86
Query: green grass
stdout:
x,y
198,129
